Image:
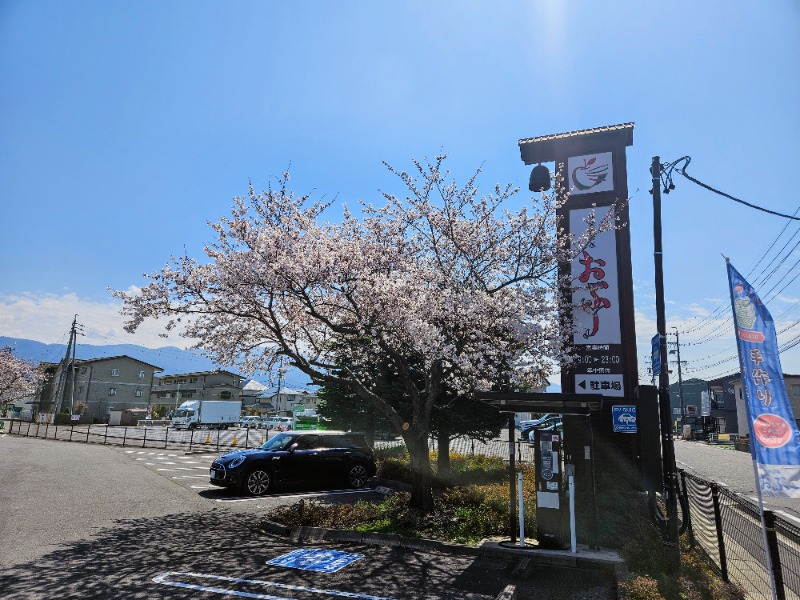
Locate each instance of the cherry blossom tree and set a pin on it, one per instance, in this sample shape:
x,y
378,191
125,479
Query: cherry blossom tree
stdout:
x,y
449,288
18,377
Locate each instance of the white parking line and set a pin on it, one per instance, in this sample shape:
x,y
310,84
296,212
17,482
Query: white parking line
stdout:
x,y
189,476
292,495
162,579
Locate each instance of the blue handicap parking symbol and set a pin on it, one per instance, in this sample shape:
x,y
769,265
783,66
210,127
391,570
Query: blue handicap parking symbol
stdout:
x,y
322,561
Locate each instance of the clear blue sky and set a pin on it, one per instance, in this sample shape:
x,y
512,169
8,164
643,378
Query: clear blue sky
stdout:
x,y
126,126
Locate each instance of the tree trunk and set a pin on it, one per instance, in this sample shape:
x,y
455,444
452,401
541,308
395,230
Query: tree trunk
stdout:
x,y
443,460
421,493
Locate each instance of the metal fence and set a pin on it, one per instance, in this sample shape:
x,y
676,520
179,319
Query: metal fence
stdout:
x,y
727,528
145,436
141,436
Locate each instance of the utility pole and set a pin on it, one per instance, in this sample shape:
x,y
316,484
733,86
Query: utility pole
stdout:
x,y
58,399
667,441
680,376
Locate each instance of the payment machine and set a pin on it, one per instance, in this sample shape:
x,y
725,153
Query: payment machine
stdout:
x,y
551,498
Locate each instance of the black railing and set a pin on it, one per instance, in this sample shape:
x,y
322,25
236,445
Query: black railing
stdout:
x,y
727,528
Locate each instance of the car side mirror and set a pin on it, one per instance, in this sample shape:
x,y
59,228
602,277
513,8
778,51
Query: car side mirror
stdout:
x,y
293,447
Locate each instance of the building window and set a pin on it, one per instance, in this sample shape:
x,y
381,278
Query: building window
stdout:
x,y
141,374
225,395
83,370
115,372
138,393
796,390
112,391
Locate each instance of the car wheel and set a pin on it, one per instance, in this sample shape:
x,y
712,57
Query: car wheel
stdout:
x,y
257,482
357,475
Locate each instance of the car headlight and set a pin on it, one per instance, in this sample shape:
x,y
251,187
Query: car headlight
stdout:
x,y
236,462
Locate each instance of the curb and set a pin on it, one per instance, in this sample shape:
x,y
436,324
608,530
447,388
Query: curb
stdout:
x,y
607,561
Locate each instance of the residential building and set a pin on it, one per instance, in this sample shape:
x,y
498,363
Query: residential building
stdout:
x,y
253,400
285,401
97,385
728,402
693,390
169,391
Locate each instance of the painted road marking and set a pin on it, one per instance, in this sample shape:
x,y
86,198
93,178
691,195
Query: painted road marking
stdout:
x,y
293,495
319,560
189,476
163,580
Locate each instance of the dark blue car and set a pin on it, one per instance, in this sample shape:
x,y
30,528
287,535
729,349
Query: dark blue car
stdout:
x,y
297,456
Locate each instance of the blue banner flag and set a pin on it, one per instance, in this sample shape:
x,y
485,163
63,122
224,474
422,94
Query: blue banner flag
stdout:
x,y
774,437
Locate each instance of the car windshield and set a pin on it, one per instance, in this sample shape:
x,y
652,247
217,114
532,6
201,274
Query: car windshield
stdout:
x,y
279,442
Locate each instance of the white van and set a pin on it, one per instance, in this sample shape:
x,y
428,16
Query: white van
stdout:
x,y
282,423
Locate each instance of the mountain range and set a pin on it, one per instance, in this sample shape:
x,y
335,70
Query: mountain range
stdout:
x,y
171,359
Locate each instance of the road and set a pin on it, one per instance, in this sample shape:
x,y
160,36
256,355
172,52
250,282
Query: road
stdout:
x,y
90,521
731,468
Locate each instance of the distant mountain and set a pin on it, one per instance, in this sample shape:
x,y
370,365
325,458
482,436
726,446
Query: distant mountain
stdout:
x,y
170,358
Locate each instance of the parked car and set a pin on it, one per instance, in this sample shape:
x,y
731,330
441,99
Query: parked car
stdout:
x,y
281,423
296,456
250,422
545,422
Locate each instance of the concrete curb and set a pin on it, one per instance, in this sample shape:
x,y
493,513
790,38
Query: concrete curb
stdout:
x,y
527,557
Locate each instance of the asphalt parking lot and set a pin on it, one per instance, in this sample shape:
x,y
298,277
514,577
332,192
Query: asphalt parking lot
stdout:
x,y
89,521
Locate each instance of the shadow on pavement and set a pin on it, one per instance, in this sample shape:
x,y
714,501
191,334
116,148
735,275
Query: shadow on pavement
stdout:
x,y
217,552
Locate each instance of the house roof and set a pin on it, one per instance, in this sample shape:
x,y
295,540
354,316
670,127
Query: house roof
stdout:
x,y
202,374
82,361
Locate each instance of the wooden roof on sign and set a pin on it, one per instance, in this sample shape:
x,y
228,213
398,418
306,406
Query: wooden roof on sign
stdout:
x,y
545,148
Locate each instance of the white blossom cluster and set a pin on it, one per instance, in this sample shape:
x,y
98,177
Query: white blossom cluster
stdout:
x,y
18,377
442,282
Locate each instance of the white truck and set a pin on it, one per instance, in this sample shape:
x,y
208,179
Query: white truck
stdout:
x,y
219,414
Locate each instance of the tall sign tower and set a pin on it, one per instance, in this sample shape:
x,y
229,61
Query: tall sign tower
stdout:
x,y
592,168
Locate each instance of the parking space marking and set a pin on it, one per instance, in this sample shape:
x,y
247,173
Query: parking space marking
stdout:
x,y
292,495
189,476
163,579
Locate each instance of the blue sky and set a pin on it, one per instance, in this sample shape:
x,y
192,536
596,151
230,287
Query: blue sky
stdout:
x,y
126,126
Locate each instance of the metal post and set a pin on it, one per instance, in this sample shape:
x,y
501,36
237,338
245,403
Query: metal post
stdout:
x,y
166,437
105,437
88,429
124,436
521,512
71,429
723,559
246,437
512,492
667,441
680,376
144,437
573,539
218,432
688,509
774,553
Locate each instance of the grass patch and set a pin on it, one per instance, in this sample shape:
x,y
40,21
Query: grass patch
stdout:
x,y
472,505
